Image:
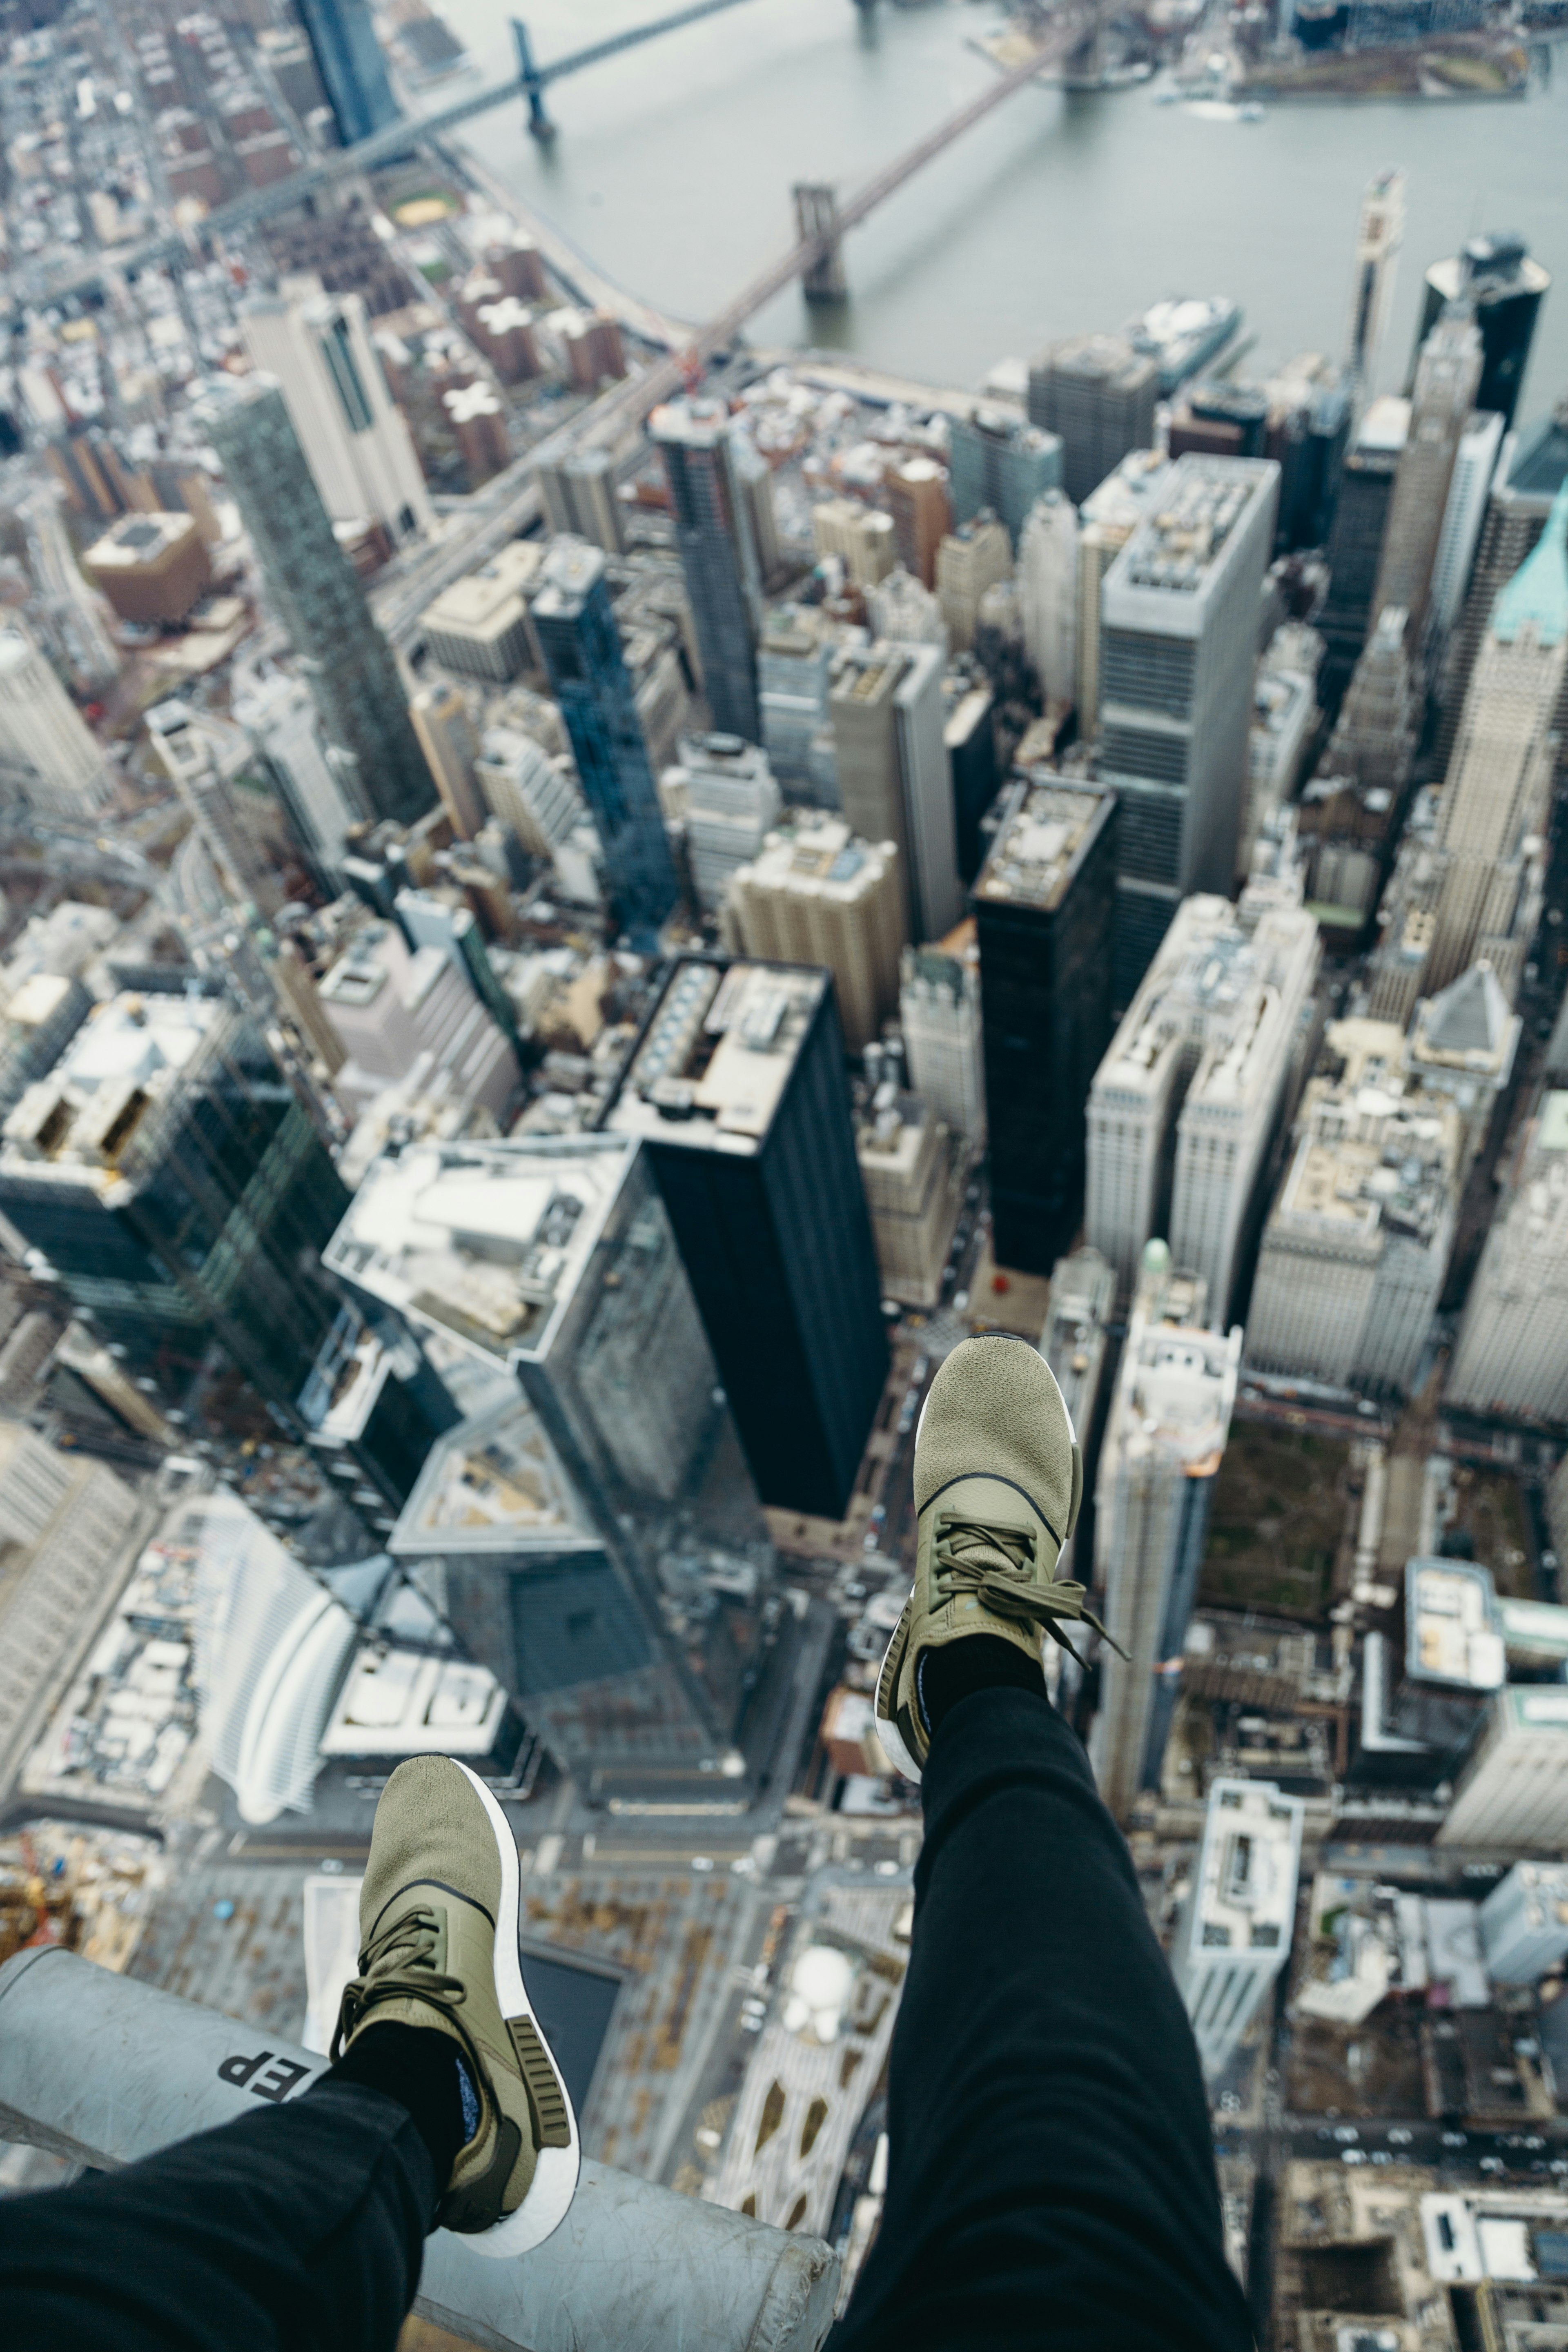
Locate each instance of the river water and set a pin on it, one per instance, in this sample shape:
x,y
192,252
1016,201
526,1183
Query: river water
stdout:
x,y
1058,212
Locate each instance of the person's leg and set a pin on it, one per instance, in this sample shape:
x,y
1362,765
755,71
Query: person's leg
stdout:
x,y
300,2226
1051,2176
1051,2179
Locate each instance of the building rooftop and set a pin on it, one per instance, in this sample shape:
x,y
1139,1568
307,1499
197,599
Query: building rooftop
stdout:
x,y
1537,596
818,853
1244,1884
1233,993
1083,1301
1178,545
138,539
482,601
1385,427
1044,832
130,1056
482,1241
1100,358
716,1054
1452,1634
1176,1384
1122,499
1470,1020
1372,1151
492,1484
568,575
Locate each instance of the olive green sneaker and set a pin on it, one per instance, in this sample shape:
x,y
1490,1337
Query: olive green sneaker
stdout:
x,y
998,1481
438,1918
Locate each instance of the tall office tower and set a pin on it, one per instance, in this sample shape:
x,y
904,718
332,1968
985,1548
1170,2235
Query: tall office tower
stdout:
x,y
47,753
1356,547
715,533
894,785
442,919
319,788
311,585
1496,795
39,1019
1530,472
1524,1923
1203,1059
356,442
996,461
1513,1789
450,745
739,1092
1506,289
1178,651
913,1167
1355,803
66,1524
1380,233
151,567
969,732
1462,1043
1284,722
860,536
415,1015
1441,407
1233,1937
815,895
532,791
939,1018
351,65
1074,1344
1164,1440
732,805
582,1543
972,558
580,500
1107,520
795,655
174,1188
1475,463
1351,1264
480,626
1048,584
916,490
577,635
1043,908
1099,396
899,609
1511,1354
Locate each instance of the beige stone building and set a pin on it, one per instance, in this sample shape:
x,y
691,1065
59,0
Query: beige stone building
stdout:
x,y
912,1169
818,896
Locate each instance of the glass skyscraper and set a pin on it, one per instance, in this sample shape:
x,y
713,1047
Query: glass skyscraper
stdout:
x,y
350,62
310,584
718,553
582,647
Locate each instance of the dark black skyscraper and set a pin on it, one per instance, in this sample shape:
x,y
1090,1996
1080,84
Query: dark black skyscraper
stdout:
x,y
350,62
582,647
1043,909
713,531
1496,276
738,1090
310,583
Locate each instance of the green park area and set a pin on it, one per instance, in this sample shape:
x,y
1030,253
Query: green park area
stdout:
x,y
1275,1525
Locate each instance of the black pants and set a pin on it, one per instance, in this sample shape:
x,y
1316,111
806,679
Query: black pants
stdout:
x,y
1052,2179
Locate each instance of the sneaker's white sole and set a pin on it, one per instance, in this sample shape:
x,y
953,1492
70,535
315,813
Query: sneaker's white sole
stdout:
x,y
887,1731
554,2182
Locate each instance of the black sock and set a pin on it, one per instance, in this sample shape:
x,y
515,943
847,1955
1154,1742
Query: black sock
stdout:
x,y
980,1662
424,2072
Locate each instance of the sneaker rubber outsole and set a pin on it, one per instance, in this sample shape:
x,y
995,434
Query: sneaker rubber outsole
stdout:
x,y
554,2182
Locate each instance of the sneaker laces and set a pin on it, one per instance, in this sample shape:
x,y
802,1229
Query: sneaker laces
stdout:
x,y
398,1963
995,1564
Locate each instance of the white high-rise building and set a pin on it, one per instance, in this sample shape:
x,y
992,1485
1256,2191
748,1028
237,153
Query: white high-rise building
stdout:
x,y
391,1008
1164,1442
1047,585
1357,1243
1178,655
356,442
974,557
1380,233
1208,1040
1107,520
317,784
1513,1789
46,750
1442,400
1234,1935
938,1014
1524,1923
1496,795
530,789
1511,1354
860,537
1475,463
732,805
905,612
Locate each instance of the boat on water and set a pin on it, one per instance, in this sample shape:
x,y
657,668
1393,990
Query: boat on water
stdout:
x,y
1183,332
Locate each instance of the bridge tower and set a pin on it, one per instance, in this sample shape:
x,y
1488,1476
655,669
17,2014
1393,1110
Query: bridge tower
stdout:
x,y
532,80
817,223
